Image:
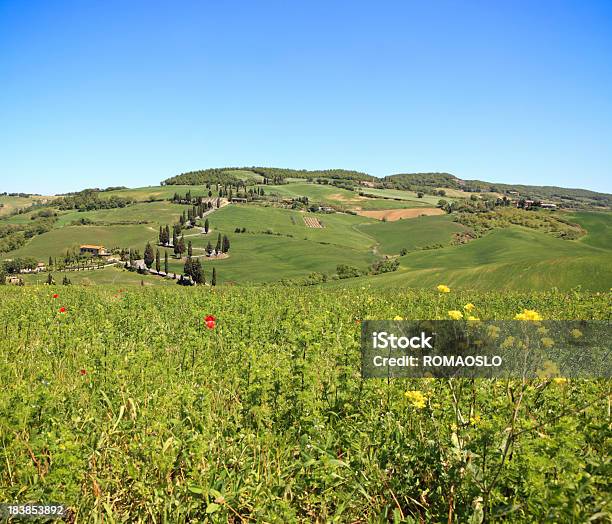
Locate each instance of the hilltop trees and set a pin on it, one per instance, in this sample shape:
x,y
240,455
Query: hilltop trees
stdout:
x,y
149,256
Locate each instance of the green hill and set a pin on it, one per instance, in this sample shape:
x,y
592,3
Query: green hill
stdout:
x,y
512,258
414,233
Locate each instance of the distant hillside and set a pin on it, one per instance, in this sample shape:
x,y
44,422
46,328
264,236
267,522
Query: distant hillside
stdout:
x,y
567,197
226,175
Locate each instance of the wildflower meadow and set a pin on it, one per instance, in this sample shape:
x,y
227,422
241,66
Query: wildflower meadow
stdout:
x,y
247,405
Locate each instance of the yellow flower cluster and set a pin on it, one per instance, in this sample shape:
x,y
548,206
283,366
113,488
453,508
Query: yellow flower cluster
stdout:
x,y
455,314
528,314
416,398
397,317
469,307
547,342
443,288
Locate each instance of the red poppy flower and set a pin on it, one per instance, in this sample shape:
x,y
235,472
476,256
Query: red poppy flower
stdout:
x,y
62,309
55,295
210,322
83,372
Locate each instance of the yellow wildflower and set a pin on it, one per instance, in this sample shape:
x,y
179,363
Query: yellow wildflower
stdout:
x,y
443,288
455,314
469,307
397,317
474,319
547,342
559,380
416,399
493,332
528,314
576,333
508,343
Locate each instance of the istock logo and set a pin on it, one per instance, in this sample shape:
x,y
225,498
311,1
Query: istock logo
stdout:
x,y
384,340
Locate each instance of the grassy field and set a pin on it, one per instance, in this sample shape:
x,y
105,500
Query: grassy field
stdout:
x,y
335,196
512,258
598,226
408,196
142,194
412,233
108,276
127,409
11,203
57,241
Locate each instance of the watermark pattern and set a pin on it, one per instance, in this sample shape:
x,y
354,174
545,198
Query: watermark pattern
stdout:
x,y
486,349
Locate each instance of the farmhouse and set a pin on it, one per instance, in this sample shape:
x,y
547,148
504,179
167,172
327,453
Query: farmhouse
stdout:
x,y
90,249
548,205
238,200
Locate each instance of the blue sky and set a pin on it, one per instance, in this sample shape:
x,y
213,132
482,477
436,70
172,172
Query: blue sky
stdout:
x,y
128,93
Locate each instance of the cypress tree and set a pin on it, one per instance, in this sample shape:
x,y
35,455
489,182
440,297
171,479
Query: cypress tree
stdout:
x,y
218,247
189,249
208,248
149,257
161,235
188,267
166,262
206,226
213,281
196,272
157,262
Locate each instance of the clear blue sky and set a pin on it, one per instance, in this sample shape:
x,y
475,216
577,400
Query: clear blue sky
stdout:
x,y
99,93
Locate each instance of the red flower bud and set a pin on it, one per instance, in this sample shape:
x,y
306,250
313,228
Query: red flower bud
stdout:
x,y
83,372
55,295
62,309
210,322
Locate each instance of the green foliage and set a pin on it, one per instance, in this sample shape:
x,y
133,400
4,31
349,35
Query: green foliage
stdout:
x,y
345,271
266,415
13,236
226,176
89,200
545,221
385,266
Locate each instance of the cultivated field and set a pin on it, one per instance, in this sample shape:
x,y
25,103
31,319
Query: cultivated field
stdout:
x,y
312,222
391,215
126,407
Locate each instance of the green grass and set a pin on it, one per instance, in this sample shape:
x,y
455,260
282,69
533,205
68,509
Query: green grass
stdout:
x,y
143,194
332,195
126,408
412,233
159,213
408,196
57,241
598,226
11,203
339,229
109,276
513,258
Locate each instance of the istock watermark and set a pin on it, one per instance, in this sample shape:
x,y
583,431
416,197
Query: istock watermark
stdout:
x,y
514,348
